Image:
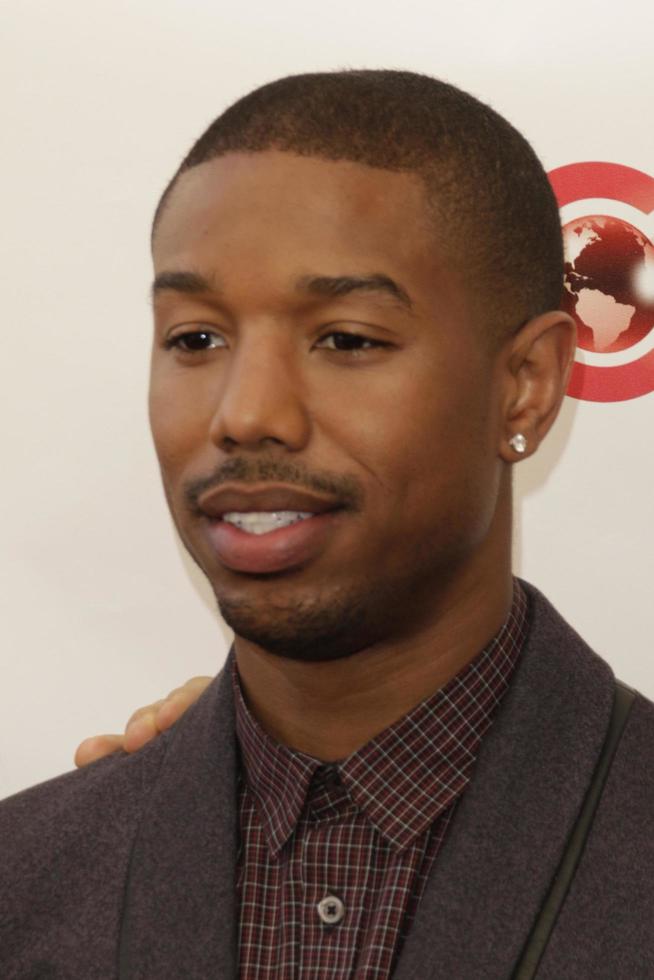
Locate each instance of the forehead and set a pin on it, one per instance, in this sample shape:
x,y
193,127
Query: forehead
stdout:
x,y
256,224
240,199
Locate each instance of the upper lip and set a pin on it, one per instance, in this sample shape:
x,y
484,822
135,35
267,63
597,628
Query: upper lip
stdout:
x,y
277,497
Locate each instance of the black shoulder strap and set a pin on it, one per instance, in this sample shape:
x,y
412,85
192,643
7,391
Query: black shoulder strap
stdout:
x,y
540,934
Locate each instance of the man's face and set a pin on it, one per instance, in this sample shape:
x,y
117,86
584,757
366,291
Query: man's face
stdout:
x,y
333,350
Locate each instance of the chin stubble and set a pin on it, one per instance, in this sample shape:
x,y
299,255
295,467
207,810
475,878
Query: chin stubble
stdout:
x,y
311,629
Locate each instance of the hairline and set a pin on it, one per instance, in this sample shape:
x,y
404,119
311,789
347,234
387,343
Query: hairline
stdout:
x,y
434,208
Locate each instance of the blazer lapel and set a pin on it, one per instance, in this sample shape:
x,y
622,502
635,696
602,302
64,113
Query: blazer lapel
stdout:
x,y
510,828
180,917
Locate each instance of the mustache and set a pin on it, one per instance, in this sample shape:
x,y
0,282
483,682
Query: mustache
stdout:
x,y
346,488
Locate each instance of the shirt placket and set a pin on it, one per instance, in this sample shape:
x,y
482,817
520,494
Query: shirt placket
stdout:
x,y
329,840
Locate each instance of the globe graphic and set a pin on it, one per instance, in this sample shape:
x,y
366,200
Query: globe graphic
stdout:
x,y
609,282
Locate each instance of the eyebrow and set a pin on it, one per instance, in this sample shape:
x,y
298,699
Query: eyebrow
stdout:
x,y
329,286
344,285
181,282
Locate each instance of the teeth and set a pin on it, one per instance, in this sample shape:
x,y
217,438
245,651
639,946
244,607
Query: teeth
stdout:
x,y
261,522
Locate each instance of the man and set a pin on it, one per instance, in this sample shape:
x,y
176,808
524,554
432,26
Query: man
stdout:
x,y
357,335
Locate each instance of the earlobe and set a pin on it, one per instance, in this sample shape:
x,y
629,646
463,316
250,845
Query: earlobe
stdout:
x,y
537,367
518,442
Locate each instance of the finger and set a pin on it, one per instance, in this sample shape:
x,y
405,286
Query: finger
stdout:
x,y
179,700
147,709
140,731
194,684
97,747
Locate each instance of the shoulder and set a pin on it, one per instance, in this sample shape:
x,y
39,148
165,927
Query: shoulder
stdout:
x,y
101,800
554,648
580,681
67,846
64,851
43,815
611,899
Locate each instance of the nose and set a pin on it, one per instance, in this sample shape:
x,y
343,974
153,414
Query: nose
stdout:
x,y
261,396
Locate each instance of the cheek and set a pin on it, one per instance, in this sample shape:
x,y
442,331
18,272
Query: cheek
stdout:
x,y
428,443
178,420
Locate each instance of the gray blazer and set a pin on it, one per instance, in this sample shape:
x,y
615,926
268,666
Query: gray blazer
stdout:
x,y
126,869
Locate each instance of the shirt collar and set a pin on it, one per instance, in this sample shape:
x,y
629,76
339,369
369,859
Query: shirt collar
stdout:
x,y
406,776
277,776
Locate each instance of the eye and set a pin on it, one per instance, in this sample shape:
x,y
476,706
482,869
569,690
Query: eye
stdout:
x,y
193,341
351,342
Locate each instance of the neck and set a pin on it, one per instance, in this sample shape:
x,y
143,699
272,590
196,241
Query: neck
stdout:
x,y
329,709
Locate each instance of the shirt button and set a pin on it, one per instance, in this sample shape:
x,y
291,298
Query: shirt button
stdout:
x,y
331,910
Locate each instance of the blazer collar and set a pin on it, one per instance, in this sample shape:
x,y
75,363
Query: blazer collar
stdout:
x,y
506,838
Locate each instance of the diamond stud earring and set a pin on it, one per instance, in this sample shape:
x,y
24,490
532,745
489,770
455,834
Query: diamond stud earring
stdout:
x,y
518,442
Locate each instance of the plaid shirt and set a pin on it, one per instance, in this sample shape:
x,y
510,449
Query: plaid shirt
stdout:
x,y
363,833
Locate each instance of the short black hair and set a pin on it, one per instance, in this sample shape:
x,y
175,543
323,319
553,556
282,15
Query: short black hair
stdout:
x,y
494,204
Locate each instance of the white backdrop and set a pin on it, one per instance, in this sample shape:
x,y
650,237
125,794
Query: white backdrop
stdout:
x,y
100,610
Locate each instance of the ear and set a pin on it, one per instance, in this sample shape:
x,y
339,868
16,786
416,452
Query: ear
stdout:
x,y
536,365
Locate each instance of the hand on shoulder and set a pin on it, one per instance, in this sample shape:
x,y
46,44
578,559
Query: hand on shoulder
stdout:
x,y
144,725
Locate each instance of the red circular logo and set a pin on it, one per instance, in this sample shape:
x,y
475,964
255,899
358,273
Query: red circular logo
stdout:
x,y
609,278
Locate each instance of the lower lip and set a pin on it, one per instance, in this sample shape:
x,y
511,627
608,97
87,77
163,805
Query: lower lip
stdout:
x,y
276,551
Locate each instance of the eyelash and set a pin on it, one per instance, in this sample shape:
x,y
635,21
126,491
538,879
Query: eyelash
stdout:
x,y
177,342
